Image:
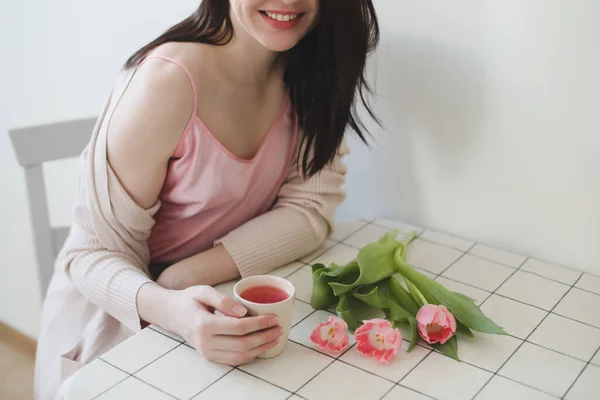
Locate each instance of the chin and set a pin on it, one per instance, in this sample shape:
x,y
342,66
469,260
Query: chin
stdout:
x,y
280,46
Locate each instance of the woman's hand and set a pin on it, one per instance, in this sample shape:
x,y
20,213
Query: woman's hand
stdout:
x,y
228,339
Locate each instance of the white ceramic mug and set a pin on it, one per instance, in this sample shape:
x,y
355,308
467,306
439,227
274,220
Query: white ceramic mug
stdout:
x,y
283,309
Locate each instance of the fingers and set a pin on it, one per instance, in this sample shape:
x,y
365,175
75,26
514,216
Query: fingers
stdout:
x,y
242,326
213,298
247,342
235,358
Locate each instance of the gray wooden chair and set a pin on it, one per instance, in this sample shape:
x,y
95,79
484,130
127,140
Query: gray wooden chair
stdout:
x,y
34,146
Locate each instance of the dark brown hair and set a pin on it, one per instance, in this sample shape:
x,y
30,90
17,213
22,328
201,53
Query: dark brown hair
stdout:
x,y
324,72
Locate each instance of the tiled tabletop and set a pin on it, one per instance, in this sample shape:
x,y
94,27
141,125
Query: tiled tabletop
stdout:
x,y
552,314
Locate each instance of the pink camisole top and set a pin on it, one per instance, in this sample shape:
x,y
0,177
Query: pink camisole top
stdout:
x,y
208,191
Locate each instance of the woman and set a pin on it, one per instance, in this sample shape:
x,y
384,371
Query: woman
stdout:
x,y
218,155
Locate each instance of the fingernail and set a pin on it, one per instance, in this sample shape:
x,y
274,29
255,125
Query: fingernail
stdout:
x,y
280,331
275,321
239,309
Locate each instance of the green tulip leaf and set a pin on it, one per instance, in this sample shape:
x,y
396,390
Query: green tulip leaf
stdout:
x,y
463,310
450,348
376,295
414,326
340,271
322,295
343,311
465,297
402,296
375,262
462,330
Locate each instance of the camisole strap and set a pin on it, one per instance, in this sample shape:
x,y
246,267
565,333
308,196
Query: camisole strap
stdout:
x,y
185,69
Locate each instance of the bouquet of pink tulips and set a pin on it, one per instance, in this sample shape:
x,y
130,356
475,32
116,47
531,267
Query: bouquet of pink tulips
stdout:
x,y
380,281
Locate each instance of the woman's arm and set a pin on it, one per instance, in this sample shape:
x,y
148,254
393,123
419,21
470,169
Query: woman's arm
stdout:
x,y
107,245
301,219
144,131
209,267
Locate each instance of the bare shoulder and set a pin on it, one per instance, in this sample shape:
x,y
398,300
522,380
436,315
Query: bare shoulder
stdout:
x,y
146,126
155,106
192,55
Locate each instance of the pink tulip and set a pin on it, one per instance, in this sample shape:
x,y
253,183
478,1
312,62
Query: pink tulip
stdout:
x,y
378,339
436,323
331,335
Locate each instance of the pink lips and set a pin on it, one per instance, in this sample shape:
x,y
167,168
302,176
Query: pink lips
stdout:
x,y
282,25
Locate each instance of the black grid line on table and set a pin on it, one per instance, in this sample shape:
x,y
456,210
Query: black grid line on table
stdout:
x,y
526,339
302,265
157,358
583,290
419,229
164,334
504,281
387,228
425,240
264,380
413,390
547,278
366,224
311,379
407,388
297,395
215,381
492,260
115,384
131,376
455,261
408,373
581,372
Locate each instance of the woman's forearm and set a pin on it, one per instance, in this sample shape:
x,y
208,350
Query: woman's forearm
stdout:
x,y
152,304
210,267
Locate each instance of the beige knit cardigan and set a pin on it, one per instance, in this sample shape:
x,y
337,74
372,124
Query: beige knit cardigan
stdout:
x,y
91,302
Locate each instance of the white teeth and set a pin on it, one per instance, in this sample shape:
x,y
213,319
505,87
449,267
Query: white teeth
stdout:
x,y
281,17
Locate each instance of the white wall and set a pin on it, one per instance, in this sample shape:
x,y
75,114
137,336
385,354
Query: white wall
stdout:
x,y
492,116
490,109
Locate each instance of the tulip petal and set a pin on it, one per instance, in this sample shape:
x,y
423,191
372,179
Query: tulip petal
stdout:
x,y
378,339
436,323
427,314
332,335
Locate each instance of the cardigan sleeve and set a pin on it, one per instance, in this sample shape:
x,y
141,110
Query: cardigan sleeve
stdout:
x,y
298,223
110,279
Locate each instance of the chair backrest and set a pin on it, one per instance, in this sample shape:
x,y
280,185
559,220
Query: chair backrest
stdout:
x,y
34,146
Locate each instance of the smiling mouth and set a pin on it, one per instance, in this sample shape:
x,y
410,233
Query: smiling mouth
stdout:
x,y
287,17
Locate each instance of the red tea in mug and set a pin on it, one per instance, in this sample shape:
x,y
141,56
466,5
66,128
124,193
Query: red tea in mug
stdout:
x,y
264,294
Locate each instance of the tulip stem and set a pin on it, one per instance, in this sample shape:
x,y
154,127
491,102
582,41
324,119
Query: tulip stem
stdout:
x,y
409,238
414,290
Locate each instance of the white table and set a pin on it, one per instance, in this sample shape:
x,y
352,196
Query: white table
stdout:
x,y
552,313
